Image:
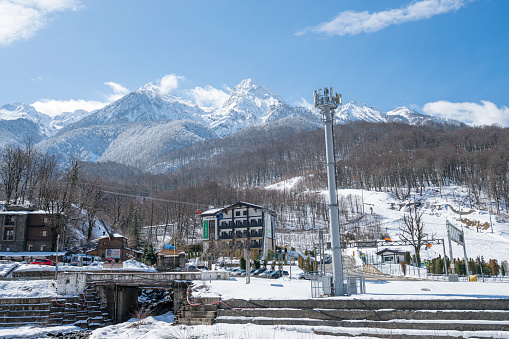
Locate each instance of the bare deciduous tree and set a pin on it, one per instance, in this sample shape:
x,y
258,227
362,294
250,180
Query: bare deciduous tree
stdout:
x,y
412,230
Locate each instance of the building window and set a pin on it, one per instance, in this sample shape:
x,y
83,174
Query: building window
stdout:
x,y
43,248
239,222
245,222
253,221
30,248
44,233
8,233
45,220
237,213
259,221
245,212
9,220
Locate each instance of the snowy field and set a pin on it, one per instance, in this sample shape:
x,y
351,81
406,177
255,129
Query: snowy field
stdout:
x,y
259,288
438,206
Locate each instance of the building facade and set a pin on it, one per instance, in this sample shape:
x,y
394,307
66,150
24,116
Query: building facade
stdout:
x,y
114,247
24,230
242,225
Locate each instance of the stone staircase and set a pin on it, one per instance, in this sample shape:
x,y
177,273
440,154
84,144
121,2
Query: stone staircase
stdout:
x,y
377,318
24,311
53,312
201,312
85,312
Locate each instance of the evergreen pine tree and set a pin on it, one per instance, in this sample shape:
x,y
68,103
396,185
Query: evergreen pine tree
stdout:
x,y
134,235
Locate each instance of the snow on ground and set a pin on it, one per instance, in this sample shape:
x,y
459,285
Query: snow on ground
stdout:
x,y
132,264
35,332
28,289
437,209
160,327
129,265
285,288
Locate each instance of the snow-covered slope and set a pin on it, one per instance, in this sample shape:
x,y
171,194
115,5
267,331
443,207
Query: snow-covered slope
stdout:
x,y
65,119
134,144
355,111
16,111
412,117
146,104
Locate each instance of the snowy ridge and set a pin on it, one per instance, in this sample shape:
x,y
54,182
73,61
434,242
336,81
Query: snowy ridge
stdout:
x,y
251,104
143,105
17,111
140,127
355,111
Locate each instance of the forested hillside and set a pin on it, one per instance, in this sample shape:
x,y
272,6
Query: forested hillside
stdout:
x,y
374,156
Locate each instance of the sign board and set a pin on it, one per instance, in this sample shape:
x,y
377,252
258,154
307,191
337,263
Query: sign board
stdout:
x,y
366,244
113,253
456,234
205,229
426,263
168,247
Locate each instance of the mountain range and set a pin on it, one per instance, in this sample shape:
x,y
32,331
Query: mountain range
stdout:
x,y
141,127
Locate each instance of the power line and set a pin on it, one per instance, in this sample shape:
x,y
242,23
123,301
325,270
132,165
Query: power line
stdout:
x,y
155,199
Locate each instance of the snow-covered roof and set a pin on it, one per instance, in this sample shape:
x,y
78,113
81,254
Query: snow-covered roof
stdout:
x,y
20,212
116,235
30,254
387,250
170,252
214,211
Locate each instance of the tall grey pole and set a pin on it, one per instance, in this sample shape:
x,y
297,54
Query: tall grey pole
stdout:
x,y
56,258
445,260
450,251
327,103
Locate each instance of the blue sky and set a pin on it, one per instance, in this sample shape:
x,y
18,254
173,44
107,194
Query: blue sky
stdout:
x,y
441,57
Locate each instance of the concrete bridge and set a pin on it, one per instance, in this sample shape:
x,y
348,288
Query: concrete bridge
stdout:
x,y
118,291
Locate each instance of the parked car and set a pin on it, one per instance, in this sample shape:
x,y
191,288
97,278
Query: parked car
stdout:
x,y
259,271
275,275
42,262
266,274
309,275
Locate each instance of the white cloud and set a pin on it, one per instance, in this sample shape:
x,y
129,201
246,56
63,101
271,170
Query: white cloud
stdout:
x,y
118,91
352,23
208,96
169,83
21,19
485,113
304,103
56,107
53,107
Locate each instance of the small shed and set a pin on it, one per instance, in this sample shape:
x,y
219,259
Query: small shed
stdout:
x,y
391,256
171,258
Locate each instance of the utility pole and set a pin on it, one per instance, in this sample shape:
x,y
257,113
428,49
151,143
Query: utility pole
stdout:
x,y
56,258
327,103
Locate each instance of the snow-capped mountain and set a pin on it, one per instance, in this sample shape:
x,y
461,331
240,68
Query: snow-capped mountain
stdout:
x,y
16,111
355,111
146,104
142,126
412,117
251,104
66,119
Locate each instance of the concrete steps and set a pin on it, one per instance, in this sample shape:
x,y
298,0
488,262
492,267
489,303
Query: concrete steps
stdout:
x,y
53,312
201,312
381,318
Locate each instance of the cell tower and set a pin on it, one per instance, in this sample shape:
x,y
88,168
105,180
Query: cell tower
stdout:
x,y
327,103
